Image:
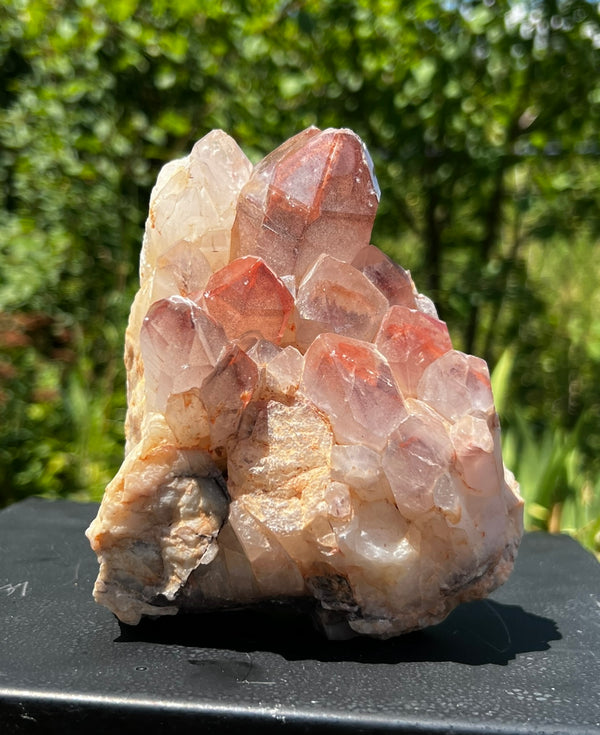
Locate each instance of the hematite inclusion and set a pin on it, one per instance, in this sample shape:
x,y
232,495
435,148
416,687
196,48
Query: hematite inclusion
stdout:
x,y
299,425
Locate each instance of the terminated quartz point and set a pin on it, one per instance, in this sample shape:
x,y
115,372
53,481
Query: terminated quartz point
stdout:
x,y
299,426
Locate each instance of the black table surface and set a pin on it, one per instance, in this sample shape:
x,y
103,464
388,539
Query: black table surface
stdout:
x,y
527,660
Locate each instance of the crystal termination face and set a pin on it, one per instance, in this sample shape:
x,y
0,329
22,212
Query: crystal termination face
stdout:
x,y
299,426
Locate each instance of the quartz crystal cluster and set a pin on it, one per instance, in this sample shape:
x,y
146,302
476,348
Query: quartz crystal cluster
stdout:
x,y
299,426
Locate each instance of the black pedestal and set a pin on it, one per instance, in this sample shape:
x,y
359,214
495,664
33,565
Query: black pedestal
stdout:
x,y
525,661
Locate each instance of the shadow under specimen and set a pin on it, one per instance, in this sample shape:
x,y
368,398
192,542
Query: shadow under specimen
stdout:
x,y
475,633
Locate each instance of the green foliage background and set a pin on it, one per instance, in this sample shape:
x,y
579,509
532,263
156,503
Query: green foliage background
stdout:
x,y
482,119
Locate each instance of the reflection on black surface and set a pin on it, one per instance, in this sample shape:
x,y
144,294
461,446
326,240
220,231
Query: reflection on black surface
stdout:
x,y
476,633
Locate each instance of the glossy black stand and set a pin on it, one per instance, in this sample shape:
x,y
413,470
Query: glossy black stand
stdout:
x,y
525,661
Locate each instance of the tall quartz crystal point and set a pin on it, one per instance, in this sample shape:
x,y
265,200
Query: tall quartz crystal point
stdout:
x,y
299,426
319,187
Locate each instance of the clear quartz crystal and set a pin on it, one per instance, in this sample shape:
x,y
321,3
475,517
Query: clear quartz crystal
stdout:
x,y
299,424
246,296
194,200
317,188
391,279
335,297
411,340
352,383
180,345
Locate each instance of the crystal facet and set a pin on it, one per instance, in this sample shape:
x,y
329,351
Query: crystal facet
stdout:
x,y
335,297
299,425
246,296
318,187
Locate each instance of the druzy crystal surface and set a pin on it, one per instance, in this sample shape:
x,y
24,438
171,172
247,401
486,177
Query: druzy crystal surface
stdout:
x,y
299,426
